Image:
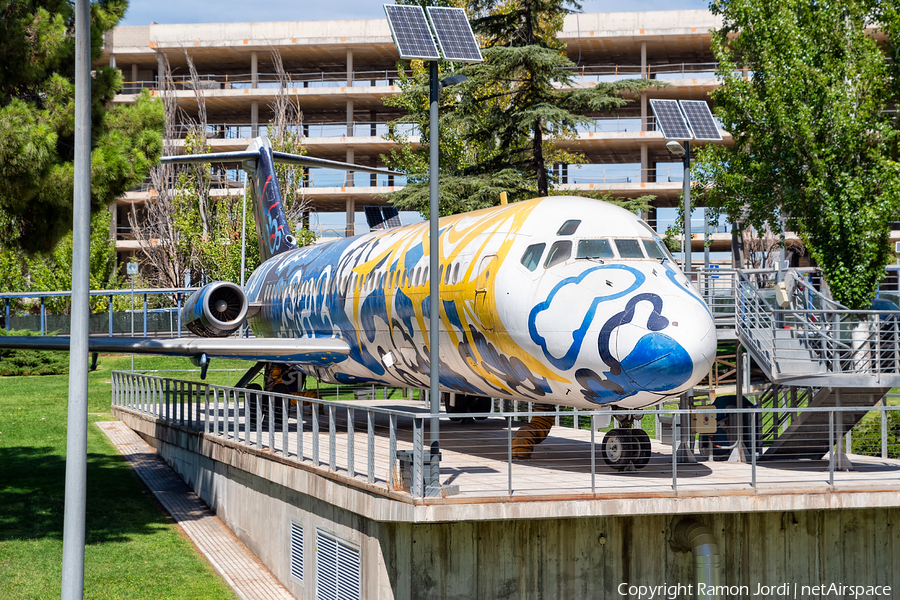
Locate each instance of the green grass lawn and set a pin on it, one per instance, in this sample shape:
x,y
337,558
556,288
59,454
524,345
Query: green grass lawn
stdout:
x,y
133,548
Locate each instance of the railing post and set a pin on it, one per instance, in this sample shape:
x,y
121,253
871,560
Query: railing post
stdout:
x,y
752,449
270,400
593,456
509,487
676,441
43,316
884,444
315,435
332,439
110,315
300,428
285,424
417,486
206,424
370,446
831,449
259,418
351,463
215,423
392,450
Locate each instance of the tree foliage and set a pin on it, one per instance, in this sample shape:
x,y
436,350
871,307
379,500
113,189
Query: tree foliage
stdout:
x,y
52,271
804,90
37,102
498,128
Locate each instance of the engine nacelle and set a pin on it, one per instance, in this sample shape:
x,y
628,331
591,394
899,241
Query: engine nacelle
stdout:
x,y
216,310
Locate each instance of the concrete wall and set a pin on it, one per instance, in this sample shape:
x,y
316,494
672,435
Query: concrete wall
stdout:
x,y
572,558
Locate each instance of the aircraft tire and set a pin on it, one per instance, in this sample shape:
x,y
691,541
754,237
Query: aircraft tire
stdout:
x,y
253,400
460,406
480,404
619,449
642,441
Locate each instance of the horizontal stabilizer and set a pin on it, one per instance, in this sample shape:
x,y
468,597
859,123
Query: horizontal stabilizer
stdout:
x,y
252,153
317,351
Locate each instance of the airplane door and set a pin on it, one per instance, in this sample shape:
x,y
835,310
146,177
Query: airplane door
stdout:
x,y
483,286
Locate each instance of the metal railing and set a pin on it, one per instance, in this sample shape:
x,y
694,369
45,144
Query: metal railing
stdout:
x,y
389,77
157,312
386,448
815,336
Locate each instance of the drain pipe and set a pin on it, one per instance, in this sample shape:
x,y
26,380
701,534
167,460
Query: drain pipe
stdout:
x,y
699,539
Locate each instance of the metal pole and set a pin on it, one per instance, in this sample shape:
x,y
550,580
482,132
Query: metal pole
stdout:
x,y
132,317
76,433
243,242
434,249
687,209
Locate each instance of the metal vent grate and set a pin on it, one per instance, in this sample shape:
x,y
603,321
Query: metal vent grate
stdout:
x,y
338,568
297,551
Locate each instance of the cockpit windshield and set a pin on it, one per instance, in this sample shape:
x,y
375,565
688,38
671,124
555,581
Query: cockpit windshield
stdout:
x,y
594,249
629,249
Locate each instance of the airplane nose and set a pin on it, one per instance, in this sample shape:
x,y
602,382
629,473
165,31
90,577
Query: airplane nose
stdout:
x,y
670,350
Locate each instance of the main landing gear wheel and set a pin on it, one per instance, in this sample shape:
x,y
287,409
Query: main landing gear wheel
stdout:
x,y
626,449
643,442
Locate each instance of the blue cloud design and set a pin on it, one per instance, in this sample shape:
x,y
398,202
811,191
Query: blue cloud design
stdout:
x,y
566,361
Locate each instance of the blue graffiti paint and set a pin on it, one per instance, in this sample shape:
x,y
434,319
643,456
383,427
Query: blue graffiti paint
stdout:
x,y
568,359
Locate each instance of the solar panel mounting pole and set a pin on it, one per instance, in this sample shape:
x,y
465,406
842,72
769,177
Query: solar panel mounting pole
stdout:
x,y
76,431
687,209
434,249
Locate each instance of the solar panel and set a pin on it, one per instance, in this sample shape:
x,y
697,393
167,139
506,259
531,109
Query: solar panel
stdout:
x,y
701,120
669,119
391,217
410,32
454,34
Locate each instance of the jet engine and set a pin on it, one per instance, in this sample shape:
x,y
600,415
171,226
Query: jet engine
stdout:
x,y
217,309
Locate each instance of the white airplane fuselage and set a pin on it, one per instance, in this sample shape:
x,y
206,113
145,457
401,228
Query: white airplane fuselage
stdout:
x,y
533,306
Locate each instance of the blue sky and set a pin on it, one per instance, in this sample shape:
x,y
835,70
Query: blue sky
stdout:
x,y
142,12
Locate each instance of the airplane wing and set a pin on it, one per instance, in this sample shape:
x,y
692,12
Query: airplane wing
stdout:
x,y
311,351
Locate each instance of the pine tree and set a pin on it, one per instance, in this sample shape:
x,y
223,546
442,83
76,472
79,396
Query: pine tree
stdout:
x,y
37,129
499,128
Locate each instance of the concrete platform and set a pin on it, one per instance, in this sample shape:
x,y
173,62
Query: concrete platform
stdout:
x,y
557,480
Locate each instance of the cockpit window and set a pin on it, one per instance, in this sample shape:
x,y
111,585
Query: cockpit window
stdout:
x,y
629,249
653,249
559,253
594,249
532,257
569,227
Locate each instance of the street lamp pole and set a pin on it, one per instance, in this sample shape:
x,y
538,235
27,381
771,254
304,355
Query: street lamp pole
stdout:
x,y
434,263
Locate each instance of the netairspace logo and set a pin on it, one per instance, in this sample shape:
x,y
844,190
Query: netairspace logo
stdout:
x,y
793,591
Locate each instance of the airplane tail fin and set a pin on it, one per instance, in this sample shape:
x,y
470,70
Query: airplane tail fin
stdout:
x,y
259,160
272,227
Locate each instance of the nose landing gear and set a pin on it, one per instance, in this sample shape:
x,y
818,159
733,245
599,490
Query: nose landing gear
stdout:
x,y
625,448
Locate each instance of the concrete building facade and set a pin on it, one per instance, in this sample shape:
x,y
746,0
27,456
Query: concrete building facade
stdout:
x,y
341,71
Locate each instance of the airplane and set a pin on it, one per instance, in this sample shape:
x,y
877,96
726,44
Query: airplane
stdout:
x,y
559,300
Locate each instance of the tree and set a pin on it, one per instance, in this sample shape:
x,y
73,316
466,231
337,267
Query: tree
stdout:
x,y
37,102
498,128
186,227
21,271
804,90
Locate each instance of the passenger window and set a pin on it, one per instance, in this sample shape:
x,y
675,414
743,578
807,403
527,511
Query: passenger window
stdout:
x,y
653,249
456,273
629,249
569,227
559,253
447,275
594,249
532,257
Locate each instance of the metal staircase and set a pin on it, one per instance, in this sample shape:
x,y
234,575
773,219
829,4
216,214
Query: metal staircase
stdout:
x,y
818,354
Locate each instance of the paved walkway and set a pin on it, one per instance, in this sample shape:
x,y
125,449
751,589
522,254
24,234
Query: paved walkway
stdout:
x,y
240,569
